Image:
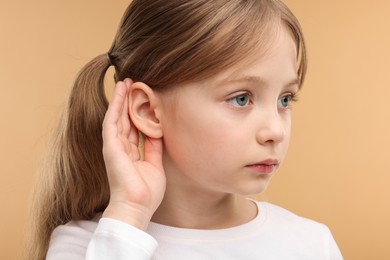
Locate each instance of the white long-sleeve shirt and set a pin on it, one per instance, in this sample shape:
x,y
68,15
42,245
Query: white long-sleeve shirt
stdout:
x,y
274,234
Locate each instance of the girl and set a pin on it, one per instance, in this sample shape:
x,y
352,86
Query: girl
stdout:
x,y
199,120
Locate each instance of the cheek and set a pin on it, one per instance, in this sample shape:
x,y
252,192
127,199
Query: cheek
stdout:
x,y
287,129
287,137
198,140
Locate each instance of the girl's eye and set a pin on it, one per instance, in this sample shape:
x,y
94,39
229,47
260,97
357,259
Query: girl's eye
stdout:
x,y
284,102
240,100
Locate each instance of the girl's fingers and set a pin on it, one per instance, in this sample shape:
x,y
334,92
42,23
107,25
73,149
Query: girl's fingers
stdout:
x,y
114,111
125,118
133,131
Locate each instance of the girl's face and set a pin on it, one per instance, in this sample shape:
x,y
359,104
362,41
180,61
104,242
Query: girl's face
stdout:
x,y
228,134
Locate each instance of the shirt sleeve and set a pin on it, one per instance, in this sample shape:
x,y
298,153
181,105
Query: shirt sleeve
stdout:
x,y
114,239
108,239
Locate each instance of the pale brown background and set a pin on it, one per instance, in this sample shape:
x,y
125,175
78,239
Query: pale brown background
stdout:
x,y
337,170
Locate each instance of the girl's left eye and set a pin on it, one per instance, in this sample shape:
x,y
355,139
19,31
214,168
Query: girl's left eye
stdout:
x,y
240,100
284,102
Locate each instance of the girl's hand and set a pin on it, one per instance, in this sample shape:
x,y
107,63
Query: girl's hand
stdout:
x,y
136,186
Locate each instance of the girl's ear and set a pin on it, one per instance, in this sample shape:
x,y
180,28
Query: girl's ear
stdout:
x,y
144,110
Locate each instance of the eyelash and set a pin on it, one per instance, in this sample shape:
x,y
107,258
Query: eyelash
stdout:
x,y
244,94
292,97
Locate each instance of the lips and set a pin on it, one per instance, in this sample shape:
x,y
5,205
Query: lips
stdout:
x,y
264,167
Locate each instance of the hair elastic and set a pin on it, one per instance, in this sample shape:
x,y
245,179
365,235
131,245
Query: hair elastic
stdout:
x,y
109,59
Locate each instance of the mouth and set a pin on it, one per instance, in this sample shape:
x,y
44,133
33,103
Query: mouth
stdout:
x,y
264,167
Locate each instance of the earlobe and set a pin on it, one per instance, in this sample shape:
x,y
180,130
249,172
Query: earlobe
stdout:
x,y
143,110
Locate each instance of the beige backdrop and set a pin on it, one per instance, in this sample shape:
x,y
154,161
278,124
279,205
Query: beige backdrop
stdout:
x,y
337,171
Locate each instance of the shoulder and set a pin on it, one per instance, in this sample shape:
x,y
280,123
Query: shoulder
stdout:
x,y
299,236
283,215
72,239
79,229
286,221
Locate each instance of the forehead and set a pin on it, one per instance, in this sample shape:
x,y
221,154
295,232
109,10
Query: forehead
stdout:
x,y
278,61
275,64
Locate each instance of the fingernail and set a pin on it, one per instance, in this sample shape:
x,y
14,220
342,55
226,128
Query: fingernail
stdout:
x,y
128,81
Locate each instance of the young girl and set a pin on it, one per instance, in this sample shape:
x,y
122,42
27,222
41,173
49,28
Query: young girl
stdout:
x,y
199,120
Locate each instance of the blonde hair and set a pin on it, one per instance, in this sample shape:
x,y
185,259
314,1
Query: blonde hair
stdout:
x,y
162,43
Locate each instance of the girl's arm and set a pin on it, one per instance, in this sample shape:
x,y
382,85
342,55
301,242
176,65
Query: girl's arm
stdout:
x,y
108,239
115,240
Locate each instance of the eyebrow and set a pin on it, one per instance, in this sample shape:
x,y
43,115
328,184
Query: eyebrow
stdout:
x,y
260,81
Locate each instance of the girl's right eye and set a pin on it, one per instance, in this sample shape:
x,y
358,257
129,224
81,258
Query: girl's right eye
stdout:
x,y
241,100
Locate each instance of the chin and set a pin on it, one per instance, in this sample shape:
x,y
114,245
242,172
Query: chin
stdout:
x,y
252,190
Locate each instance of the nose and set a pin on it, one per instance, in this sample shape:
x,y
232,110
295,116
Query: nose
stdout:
x,y
273,128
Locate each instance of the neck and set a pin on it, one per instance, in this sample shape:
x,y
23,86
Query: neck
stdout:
x,y
199,209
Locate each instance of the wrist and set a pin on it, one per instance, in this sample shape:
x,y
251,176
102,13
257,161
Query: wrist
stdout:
x,y
132,215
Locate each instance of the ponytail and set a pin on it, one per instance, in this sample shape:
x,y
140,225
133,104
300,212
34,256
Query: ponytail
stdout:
x,y
82,143
75,181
